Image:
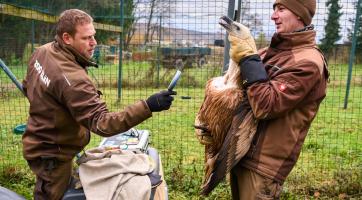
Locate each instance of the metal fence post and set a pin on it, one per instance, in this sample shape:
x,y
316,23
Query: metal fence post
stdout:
x,y
231,9
238,14
158,53
119,84
353,52
32,35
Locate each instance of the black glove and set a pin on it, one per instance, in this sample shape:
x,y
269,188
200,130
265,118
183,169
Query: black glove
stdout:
x,y
252,70
160,101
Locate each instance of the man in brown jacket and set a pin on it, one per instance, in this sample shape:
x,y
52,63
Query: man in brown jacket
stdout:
x,y
285,84
65,105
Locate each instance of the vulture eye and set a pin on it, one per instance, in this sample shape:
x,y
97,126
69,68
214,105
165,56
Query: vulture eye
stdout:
x,y
237,27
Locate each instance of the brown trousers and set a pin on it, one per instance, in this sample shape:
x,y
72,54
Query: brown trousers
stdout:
x,y
248,185
52,178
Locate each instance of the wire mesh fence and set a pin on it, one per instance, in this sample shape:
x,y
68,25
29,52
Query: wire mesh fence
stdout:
x,y
141,43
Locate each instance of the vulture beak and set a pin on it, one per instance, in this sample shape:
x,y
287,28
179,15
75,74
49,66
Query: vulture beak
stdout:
x,y
228,24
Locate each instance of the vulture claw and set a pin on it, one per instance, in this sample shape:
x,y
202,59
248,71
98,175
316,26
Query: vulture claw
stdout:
x,y
203,135
202,128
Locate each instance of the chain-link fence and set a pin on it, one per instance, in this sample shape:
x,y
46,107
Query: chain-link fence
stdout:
x,y
141,43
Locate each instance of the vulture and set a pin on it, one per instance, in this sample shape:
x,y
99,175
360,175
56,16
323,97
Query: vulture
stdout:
x,y
224,123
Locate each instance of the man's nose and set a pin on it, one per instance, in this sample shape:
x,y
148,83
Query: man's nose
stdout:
x,y
274,16
93,41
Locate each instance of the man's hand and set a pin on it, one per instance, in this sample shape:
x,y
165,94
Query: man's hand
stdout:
x,y
160,101
242,44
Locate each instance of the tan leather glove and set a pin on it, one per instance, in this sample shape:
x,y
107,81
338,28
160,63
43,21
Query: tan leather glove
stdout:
x,y
242,43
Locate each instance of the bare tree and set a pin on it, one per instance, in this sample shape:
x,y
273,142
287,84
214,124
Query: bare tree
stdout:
x,y
159,10
153,4
133,20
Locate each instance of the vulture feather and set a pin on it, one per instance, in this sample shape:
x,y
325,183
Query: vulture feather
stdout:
x,y
225,123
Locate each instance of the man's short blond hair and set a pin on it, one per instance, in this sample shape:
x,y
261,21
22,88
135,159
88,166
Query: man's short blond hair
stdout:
x,y
69,19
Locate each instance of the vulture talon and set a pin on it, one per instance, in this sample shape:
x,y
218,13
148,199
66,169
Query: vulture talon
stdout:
x,y
202,128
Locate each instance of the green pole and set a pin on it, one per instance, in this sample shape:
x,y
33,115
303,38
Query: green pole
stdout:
x,y
231,10
237,17
120,52
353,52
32,35
158,53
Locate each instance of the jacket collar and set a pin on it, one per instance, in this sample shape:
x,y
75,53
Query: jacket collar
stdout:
x,y
288,41
73,54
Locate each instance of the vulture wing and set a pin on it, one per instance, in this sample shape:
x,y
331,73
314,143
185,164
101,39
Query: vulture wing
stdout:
x,y
236,144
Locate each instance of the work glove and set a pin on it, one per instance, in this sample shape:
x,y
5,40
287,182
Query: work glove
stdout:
x,y
160,101
242,44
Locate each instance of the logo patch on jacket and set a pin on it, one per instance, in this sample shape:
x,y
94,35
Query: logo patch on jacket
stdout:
x,y
282,87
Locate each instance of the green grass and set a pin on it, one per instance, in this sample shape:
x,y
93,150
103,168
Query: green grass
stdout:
x,y
330,165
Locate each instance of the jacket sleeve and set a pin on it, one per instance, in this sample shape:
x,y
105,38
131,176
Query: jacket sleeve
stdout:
x,y
85,105
284,91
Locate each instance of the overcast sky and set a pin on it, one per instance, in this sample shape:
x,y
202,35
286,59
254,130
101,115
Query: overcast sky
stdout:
x,y
203,15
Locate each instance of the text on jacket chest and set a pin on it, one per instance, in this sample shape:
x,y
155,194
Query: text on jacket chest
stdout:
x,y
43,77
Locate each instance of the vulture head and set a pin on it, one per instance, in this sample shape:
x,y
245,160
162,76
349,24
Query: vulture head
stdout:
x,y
230,26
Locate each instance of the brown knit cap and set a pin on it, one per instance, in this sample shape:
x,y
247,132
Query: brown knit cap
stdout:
x,y
305,9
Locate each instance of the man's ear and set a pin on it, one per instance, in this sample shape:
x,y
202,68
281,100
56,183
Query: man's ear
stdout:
x,y
67,38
